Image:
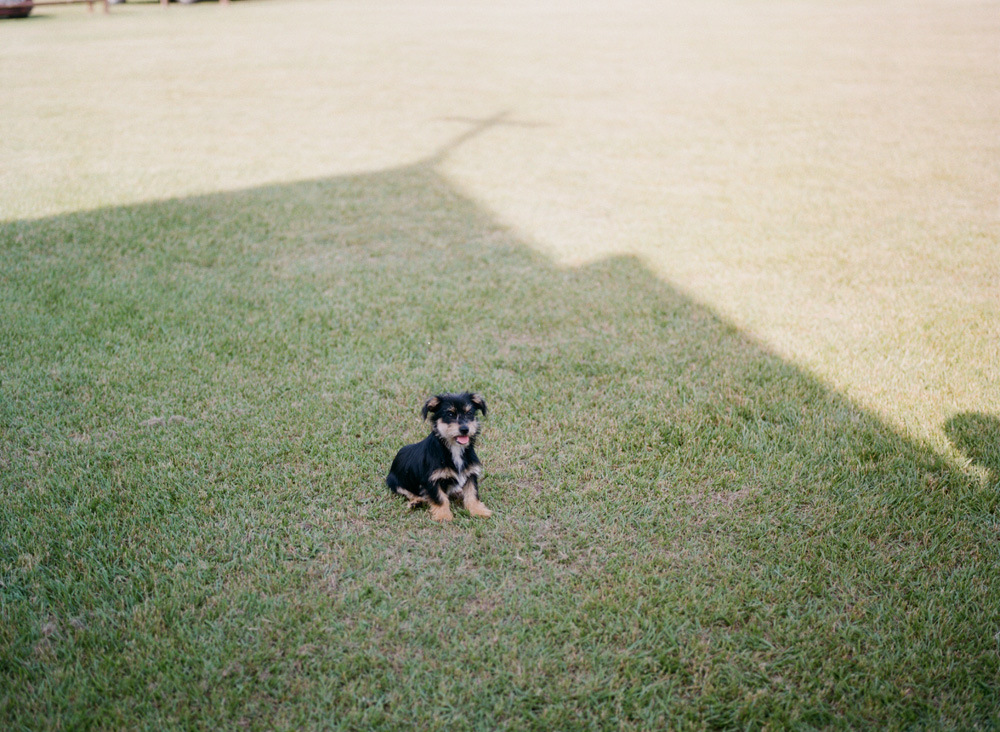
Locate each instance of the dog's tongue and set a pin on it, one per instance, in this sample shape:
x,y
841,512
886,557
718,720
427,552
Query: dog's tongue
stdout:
x,y
462,440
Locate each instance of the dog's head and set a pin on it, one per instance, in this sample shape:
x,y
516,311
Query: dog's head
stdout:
x,y
454,416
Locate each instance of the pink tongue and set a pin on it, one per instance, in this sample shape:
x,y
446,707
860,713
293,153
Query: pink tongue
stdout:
x,y
462,440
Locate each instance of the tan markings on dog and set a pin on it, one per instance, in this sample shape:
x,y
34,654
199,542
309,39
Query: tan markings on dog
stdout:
x,y
451,430
475,506
414,500
444,474
442,512
432,404
448,430
471,471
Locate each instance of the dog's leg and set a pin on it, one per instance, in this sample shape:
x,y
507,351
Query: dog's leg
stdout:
x,y
440,508
415,502
412,500
470,497
441,511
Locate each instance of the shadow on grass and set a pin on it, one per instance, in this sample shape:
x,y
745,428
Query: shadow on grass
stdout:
x,y
978,436
688,529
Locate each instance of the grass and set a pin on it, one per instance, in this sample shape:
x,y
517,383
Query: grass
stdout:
x,y
742,442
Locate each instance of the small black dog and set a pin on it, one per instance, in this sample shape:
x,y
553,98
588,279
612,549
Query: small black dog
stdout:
x,y
444,464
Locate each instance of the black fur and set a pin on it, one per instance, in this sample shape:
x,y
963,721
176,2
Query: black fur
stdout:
x,y
444,464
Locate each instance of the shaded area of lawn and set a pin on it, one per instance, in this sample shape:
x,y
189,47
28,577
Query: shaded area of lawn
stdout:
x,y
200,398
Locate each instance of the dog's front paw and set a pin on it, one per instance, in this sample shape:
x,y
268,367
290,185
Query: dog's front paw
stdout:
x,y
441,513
479,509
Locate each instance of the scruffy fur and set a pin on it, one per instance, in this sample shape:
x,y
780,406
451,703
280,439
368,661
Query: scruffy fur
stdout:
x,y
444,464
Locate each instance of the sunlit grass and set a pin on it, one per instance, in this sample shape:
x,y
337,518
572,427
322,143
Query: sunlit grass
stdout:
x,y
825,175
726,273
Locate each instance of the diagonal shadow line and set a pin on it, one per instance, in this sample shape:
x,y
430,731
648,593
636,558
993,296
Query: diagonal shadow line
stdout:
x,y
413,215
977,435
607,387
407,201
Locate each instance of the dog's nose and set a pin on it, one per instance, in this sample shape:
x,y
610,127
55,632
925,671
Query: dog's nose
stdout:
x,y
464,429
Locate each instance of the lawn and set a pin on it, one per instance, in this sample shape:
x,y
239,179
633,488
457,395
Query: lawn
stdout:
x,y
726,273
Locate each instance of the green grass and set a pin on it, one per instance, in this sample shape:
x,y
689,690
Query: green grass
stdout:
x,y
710,509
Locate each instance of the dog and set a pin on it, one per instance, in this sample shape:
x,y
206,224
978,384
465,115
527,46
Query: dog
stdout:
x,y
444,464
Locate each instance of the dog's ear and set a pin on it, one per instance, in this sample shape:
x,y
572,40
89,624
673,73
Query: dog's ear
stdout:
x,y
430,405
479,403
